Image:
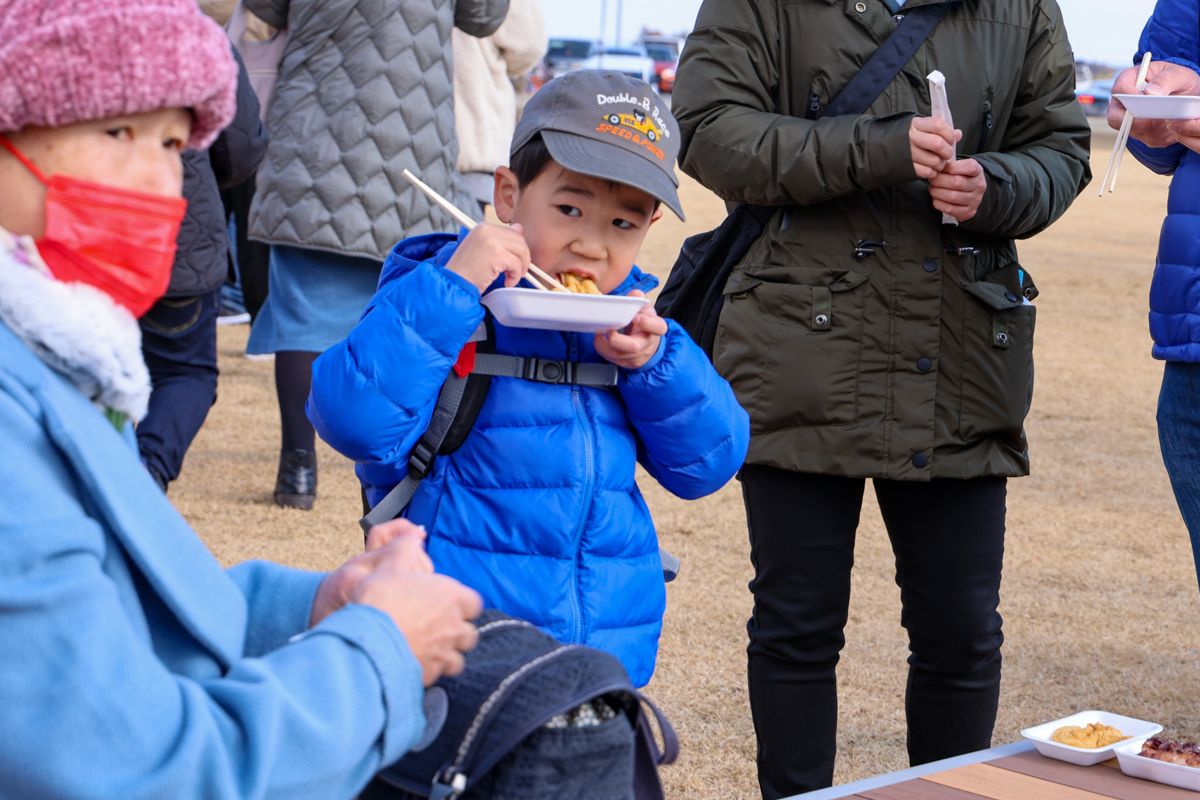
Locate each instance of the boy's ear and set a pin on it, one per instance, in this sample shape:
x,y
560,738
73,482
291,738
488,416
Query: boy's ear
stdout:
x,y
505,194
656,216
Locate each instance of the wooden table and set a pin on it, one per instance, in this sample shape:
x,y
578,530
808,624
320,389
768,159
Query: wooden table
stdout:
x,y
1011,772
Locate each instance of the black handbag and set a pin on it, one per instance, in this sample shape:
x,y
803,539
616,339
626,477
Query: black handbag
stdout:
x,y
530,718
695,289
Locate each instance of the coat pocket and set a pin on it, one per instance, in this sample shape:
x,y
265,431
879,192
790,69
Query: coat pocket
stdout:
x,y
792,351
997,377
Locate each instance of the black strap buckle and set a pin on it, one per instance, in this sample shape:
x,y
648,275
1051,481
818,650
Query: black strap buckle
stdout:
x,y
548,371
963,251
867,247
421,460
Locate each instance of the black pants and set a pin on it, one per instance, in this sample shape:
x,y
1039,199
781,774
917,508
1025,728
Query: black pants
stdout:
x,y
179,343
948,539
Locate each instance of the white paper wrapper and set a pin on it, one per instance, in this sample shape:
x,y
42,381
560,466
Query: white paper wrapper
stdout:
x,y
941,110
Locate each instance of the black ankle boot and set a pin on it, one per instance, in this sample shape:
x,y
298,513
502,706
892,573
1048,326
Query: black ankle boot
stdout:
x,y
296,483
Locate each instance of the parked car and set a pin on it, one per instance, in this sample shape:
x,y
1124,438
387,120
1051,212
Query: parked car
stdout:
x,y
666,58
1094,96
562,56
631,61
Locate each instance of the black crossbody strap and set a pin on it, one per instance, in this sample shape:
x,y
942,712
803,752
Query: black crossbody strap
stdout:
x,y
886,62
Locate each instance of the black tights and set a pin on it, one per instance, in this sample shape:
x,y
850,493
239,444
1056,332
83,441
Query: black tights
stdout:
x,y
948,540
293,379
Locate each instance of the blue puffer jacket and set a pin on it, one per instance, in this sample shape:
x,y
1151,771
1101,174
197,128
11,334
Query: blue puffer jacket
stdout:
x,y
538,510
1173,34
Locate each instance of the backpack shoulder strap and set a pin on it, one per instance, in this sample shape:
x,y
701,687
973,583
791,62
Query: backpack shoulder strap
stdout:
x,y
458,405
886,62
445,417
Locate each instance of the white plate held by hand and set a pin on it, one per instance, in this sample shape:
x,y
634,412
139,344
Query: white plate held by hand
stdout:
x,y
1138,730
562,311
1159,106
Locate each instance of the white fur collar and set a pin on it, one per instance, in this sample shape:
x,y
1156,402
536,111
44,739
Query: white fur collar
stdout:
x,y
74,328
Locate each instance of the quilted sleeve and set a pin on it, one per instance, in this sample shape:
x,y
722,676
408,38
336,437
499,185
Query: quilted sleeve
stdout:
x,y
374,392
479,17
1172,34
240,148
131,705
693,433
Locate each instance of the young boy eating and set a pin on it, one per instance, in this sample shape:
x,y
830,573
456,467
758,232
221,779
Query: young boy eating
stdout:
x,y
538,508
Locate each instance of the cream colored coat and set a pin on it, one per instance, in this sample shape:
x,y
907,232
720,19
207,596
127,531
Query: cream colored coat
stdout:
x,y
485,102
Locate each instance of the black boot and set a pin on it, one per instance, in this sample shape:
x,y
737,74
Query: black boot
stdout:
x,y
296,483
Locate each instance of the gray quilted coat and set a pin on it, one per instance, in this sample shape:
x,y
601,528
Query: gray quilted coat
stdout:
x,y
365,90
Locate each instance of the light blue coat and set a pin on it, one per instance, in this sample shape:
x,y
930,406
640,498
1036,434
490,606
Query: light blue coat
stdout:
x,y
133,666
538,509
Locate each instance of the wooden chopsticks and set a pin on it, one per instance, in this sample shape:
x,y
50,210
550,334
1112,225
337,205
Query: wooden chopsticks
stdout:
x,y
538,277
1109,183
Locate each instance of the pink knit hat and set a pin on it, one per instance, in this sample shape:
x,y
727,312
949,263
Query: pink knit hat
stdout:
x,y
65,61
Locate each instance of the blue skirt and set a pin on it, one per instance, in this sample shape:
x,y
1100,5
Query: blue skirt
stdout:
x,y
314,299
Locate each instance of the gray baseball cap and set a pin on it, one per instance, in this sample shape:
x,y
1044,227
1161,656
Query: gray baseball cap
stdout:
x,y
608,125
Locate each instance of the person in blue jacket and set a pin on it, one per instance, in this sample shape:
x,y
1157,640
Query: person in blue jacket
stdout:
x,y
1172,37
538,508
132,665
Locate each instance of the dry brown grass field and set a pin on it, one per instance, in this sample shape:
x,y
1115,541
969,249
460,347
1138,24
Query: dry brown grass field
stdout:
x,y
1099,592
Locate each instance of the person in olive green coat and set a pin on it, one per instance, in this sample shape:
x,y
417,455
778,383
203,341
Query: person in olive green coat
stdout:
x,y
867,339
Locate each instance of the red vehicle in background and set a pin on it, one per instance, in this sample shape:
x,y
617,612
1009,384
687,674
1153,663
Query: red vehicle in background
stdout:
x,y
664,50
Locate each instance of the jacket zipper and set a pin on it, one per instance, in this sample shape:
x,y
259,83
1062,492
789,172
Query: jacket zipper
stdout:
x,y
812,108
988,122
589,470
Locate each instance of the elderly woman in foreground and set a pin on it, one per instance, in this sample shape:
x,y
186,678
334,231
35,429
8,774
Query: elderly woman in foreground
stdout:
x,y
133,665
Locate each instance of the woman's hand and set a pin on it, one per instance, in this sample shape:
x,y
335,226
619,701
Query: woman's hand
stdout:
x,y
490,250
399,542
958,190
395,575
434,613
638,343
932,144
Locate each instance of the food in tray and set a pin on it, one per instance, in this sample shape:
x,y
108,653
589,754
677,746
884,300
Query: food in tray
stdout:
x,y
578,284
1090,737
1185,753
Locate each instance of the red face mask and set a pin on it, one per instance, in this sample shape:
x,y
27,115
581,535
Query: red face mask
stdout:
x,y
120,241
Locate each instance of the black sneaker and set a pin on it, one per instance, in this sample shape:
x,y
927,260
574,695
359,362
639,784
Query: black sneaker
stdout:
x,y
296,482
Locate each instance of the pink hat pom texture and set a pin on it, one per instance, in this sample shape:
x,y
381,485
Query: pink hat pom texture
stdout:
x,y
66,61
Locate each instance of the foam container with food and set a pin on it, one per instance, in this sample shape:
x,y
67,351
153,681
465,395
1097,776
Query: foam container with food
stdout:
x,y
1161,106
1137,731
1138,766
562,311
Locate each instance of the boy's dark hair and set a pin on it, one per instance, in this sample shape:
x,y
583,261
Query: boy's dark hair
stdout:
x,y
529,160
533,157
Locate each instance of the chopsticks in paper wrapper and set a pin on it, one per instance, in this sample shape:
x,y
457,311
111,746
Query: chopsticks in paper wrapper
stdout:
x,y
941,110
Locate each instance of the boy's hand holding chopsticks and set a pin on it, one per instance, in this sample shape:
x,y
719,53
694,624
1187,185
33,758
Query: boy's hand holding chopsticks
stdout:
x,y
491,250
